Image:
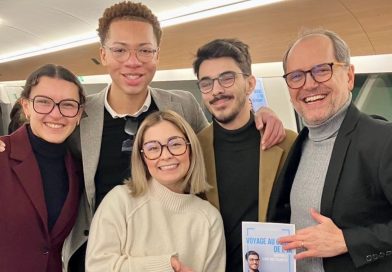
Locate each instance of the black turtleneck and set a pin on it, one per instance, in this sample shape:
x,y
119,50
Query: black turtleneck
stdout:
x,y
50,158
237,154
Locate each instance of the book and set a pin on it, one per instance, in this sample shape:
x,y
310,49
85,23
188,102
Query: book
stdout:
x,y
261,250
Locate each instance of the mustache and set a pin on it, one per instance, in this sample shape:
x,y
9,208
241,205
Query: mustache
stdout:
x,y
219,97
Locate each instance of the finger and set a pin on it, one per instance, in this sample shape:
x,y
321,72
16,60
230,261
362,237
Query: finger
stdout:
x,y
288,239
292,245
2,146
259,120
318,217
268,136
305,254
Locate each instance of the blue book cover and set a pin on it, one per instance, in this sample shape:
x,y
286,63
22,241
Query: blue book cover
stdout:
x,y
262,252
258,98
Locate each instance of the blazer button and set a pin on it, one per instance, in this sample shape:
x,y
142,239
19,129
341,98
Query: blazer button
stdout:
x,y
369,258
45,251
375,256
85,232
388,253
382,254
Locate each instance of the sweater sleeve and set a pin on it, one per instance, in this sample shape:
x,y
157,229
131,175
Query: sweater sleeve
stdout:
x,y
216,255
108,235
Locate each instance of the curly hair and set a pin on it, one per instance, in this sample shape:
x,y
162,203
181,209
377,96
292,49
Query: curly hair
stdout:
x,y
128,10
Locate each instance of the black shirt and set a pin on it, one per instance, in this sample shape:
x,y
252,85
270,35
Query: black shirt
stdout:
x,y
237,156
114,164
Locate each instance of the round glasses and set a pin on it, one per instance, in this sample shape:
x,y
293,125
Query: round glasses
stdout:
x,y
143,54
320,73
45,105
225,79
176,146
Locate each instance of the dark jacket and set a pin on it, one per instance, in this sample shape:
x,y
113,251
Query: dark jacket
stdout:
x,y
357,194
25,242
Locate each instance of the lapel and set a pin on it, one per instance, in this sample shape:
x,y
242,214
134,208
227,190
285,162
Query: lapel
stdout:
x,y
268,170
162,99
91,127
28,172
70,205
338,157
206,138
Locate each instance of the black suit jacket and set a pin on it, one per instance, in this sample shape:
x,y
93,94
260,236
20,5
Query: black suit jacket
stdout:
x,y
357,194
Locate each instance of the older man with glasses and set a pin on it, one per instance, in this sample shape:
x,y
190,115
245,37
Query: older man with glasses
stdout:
x,y
336,185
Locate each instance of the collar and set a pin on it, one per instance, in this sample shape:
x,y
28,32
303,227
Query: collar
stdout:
x,y
114,114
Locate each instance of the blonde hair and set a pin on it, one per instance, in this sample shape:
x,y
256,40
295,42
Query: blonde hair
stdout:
x,y
194,181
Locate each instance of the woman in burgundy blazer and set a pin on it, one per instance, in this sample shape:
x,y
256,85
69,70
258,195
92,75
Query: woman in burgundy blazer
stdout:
x,y
39,179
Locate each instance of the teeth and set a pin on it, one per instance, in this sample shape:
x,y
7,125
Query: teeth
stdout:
x,y
168,167
314,98
132,76
54,125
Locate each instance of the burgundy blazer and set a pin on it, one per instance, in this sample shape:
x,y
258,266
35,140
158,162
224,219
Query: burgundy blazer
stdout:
x,y
25,241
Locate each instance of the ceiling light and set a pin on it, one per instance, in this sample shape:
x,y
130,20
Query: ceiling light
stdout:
x,y
200,11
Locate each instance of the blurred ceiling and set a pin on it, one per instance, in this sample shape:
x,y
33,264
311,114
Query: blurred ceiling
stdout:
x,y
26,24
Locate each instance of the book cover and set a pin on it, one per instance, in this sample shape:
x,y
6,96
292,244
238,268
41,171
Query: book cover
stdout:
x,y
262,252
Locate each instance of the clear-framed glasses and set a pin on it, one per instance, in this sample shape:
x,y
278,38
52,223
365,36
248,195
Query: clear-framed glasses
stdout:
x,y
45,105
130,128
225,79
122,53
320,73
176,145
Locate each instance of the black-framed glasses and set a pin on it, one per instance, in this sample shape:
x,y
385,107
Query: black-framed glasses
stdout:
x,y
225,79
320,73
253,259
130,128
122,53
176,146
45,105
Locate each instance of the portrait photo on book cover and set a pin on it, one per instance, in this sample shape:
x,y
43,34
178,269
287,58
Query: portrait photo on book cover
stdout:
x,y
261,250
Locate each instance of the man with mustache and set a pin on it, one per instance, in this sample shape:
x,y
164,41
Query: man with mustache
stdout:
x,y
240,171
336,185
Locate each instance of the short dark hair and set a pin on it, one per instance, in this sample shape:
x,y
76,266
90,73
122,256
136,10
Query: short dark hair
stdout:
x,y
52,71
219,48
251,252
128,10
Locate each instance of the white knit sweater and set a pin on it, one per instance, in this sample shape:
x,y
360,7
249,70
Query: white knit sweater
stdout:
x,y
142,233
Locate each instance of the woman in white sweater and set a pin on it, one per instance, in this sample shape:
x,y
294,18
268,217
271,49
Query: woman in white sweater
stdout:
x,y
155,222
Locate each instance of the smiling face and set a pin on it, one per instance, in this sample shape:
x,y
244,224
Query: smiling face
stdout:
x,y
229,106
130,77
317,102
253,262
52,127
169,170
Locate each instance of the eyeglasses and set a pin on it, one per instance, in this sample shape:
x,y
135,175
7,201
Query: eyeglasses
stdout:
x,y
130,128
175,145
320,73
45,105
253,260
225,79
143,54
